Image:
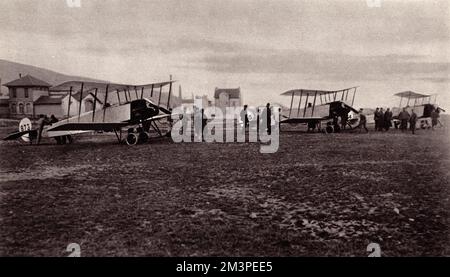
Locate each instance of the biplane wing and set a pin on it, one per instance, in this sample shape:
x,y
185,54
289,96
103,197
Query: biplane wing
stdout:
x,y
419,98
316,106
106,127
411,95
99,126
300,120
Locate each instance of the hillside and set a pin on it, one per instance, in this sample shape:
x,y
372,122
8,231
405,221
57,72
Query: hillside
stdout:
x,y
10,71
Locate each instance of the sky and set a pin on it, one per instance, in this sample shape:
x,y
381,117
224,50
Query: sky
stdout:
x,y
264,47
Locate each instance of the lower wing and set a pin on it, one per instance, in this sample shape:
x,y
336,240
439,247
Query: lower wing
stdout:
x,y
105,127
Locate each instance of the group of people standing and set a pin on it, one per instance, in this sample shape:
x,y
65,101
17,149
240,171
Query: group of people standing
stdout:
x,y
405,117
265,119
383,119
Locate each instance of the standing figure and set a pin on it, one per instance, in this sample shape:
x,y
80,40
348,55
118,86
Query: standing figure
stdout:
x,y
413,122
376,118
244,118
204,123
381,120
404,118
362,121
387,119
267,119
43,120
434,118
59,140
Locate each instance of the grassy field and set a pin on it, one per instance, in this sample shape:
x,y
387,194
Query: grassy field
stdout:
x,y
319,195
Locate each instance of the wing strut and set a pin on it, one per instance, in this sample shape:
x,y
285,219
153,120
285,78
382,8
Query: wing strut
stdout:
x,y
292,102
142,92
160,92
118,96
306,105
299,103
129,93
170,92
70,101
354,94
106,102
126,96
314,104
95,105
135,90
81,100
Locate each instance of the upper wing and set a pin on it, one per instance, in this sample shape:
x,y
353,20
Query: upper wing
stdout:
x,y
17,135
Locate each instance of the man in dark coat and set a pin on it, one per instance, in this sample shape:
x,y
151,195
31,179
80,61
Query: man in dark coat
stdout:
x,y
381,120
244,118
267,118
434,118
387,119
376,118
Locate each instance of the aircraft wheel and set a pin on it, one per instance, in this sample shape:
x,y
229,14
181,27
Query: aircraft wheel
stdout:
x,y
329,129
143,137
132,139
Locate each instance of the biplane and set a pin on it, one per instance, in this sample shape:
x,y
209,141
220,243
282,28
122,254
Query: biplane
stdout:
x,y
321,109
116,106
422,104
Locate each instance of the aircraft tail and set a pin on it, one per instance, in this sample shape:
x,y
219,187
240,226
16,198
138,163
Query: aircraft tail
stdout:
x,y
25,133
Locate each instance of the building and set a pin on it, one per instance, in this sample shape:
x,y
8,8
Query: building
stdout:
x,y
23,93
227,97
4,107
31,97
87,103
48,105
189,104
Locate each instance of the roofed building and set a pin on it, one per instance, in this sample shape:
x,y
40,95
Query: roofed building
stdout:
x,y
23,93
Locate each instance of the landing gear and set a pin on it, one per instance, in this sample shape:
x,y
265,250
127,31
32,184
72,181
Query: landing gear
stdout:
x,y
137,136
329,129
132,139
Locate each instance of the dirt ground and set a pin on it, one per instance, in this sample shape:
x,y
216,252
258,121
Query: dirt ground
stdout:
x,y
319,195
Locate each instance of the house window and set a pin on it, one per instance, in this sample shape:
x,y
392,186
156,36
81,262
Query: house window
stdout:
x,y
26,92
13,108
28,108
21,109
14,93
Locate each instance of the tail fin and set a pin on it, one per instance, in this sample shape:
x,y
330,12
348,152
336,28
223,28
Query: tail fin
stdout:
x,y
26,132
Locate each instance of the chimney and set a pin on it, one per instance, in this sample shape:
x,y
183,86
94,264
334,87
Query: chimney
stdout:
x,y
20,75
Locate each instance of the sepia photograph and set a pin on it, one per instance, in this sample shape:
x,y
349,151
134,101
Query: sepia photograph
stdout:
x,y
224,128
